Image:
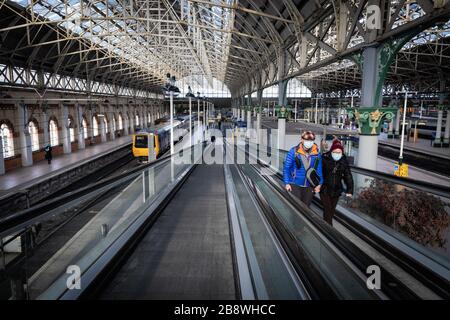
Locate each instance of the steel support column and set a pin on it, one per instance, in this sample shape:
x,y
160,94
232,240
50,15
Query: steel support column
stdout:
x,y
112,133
24,135
282,93
2,159
370,114
81,137
67,145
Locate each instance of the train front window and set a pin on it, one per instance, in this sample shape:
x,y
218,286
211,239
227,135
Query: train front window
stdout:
x,y
140,142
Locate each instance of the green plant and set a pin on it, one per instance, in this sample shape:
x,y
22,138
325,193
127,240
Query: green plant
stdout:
x,y
419,215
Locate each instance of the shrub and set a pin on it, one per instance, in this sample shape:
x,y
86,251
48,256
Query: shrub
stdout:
x,y
417,214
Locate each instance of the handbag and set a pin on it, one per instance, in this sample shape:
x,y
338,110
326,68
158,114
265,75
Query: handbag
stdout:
x,y
312,176
311,172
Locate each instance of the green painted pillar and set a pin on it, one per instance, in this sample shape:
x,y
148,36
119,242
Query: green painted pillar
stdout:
x,y
259,95
282,92
374,62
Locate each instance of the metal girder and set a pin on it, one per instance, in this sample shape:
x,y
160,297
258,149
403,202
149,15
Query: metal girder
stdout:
x,y
316,34
229,40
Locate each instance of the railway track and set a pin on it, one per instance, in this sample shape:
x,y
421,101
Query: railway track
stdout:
x,y
423,160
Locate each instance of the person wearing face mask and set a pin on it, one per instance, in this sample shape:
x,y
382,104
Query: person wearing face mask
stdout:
x,y
335,169
300,161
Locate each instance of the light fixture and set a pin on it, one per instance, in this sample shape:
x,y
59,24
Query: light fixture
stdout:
x,y
190,94
170,86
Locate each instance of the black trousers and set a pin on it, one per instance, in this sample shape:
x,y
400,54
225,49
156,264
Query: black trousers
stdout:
x,y
329,207
305,194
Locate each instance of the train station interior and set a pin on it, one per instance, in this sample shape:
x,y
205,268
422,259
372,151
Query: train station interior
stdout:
x,y
224,150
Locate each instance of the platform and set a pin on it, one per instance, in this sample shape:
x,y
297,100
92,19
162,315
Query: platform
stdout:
x,y
421,145
22,177
300,126
387,166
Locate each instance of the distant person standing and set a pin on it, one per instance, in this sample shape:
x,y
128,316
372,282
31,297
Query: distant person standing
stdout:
x,y
48,153
335,169
302,172
347,124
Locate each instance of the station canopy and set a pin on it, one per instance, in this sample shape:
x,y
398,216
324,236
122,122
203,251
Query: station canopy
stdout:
x,y
136,43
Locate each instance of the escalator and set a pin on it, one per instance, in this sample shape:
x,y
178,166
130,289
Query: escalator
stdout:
x,y
409,270
200,247
195,231
187,252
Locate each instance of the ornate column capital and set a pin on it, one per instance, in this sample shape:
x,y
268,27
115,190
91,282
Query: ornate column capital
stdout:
x,y
283,112
370,119
258,109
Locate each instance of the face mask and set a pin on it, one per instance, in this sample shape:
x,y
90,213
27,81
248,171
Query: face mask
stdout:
x,y
308,144
336,156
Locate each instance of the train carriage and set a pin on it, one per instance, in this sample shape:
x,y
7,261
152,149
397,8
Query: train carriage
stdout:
x,y
161,136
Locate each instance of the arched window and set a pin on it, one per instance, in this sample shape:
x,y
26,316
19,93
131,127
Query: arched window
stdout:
x,y
114,124
53,131
94,126
149,117
34,135
71,130
120,122
8,141
85,129
137,120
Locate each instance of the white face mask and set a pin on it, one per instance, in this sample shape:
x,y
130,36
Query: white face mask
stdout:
x,y
336,156
308,144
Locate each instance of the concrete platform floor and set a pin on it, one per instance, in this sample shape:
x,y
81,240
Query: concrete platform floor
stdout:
x,y
21,177
421,145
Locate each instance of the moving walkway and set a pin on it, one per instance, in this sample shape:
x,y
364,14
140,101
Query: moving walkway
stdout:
x,y
196,231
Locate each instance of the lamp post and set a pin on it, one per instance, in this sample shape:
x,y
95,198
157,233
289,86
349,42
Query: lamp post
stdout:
x,y
316,120
171,124
295,115
204,111
190,95
190,121
172,90
198,114
400,157
207,114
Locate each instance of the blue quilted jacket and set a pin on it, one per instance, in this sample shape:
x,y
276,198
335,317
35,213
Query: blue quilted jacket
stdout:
x,y
292,175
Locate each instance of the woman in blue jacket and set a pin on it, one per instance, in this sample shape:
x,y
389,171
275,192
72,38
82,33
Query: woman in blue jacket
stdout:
x,y
294,171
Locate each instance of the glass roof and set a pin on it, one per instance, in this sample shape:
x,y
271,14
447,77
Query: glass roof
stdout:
x,y
218,40
149,34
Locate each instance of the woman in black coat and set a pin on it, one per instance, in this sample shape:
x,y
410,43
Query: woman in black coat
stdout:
x,y
335,170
